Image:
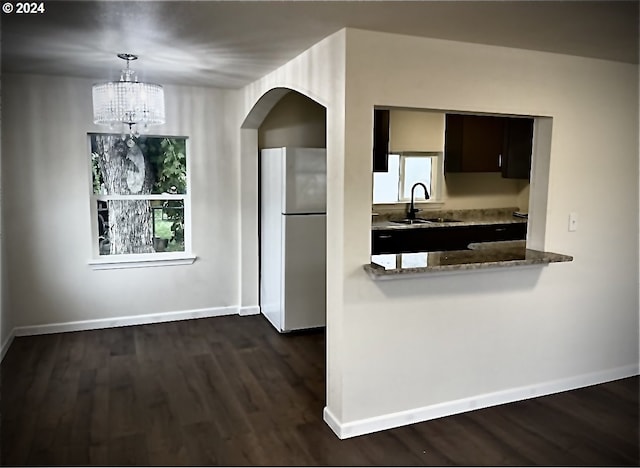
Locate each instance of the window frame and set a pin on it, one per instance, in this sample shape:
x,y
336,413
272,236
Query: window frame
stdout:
x,y
117,261
437,177
437,173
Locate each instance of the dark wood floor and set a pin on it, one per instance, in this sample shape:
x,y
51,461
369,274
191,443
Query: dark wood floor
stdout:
x,y
232,391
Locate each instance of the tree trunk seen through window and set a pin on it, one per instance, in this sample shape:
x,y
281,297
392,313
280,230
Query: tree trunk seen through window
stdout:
x,y
126,171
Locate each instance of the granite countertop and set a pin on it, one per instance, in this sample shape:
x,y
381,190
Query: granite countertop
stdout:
x,y
480,256
463,217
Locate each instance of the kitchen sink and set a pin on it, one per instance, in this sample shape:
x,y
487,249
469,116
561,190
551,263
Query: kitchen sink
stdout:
x,y
426,221
442,220
411,221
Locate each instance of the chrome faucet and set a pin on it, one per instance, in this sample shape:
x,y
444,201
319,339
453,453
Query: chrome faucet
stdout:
x,y
411,214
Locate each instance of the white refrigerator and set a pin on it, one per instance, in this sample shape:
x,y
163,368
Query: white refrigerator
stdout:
x,y
293,193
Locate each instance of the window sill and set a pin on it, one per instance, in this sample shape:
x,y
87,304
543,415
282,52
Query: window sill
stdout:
x,y
142,261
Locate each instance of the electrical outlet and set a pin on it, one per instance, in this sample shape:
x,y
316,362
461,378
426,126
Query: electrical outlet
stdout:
x,y
573,222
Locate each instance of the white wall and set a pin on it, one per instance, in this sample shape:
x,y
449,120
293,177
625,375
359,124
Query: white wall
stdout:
x,y
412,344
483,190
47,218
416,130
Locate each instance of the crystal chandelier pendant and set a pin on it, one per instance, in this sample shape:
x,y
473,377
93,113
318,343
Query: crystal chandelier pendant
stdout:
x,y
128,102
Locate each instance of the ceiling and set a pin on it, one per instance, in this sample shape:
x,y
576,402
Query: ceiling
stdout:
x,y
231,43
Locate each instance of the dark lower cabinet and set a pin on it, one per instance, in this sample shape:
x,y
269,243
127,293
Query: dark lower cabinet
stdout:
x,y
390,241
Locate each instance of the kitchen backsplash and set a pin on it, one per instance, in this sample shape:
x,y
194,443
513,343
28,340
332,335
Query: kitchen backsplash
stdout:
x,y
385,214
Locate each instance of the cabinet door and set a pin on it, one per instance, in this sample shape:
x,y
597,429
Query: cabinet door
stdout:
x,y
473,143
380,140
482,143
518,145
453,143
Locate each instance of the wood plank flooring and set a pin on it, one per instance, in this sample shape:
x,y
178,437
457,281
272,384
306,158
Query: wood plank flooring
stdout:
x,y
231,391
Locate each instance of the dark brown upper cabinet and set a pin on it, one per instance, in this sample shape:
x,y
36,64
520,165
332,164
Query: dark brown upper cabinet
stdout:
x,y
518,145
475,143
381,140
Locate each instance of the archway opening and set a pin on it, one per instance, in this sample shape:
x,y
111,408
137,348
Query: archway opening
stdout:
x,y
287,120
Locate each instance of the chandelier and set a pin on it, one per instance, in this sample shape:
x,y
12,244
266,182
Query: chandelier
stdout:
x,y
128,102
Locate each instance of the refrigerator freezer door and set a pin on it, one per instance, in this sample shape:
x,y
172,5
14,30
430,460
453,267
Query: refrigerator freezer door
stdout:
x,y
272,182
305,180
304,294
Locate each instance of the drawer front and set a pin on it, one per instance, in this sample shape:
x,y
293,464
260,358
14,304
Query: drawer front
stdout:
x,y
392,241
500,232
413,240
459,237
380,242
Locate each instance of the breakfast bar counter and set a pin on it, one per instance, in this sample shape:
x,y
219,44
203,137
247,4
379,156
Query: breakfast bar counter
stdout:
x,y
479,256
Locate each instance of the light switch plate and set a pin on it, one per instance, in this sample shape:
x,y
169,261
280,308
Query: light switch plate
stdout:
x,y
573,222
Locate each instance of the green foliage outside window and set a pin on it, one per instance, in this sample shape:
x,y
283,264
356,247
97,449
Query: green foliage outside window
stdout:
x,y
167,157
168,162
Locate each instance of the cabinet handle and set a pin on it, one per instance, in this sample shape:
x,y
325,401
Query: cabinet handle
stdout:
x,y
500,160
501,229
384,236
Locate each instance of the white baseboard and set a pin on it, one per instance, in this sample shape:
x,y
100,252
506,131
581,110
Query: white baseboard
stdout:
x,y
404,418
124,321
249,310
6,344
333,422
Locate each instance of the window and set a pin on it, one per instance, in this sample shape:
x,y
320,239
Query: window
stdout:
x,y
139,203
405,170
